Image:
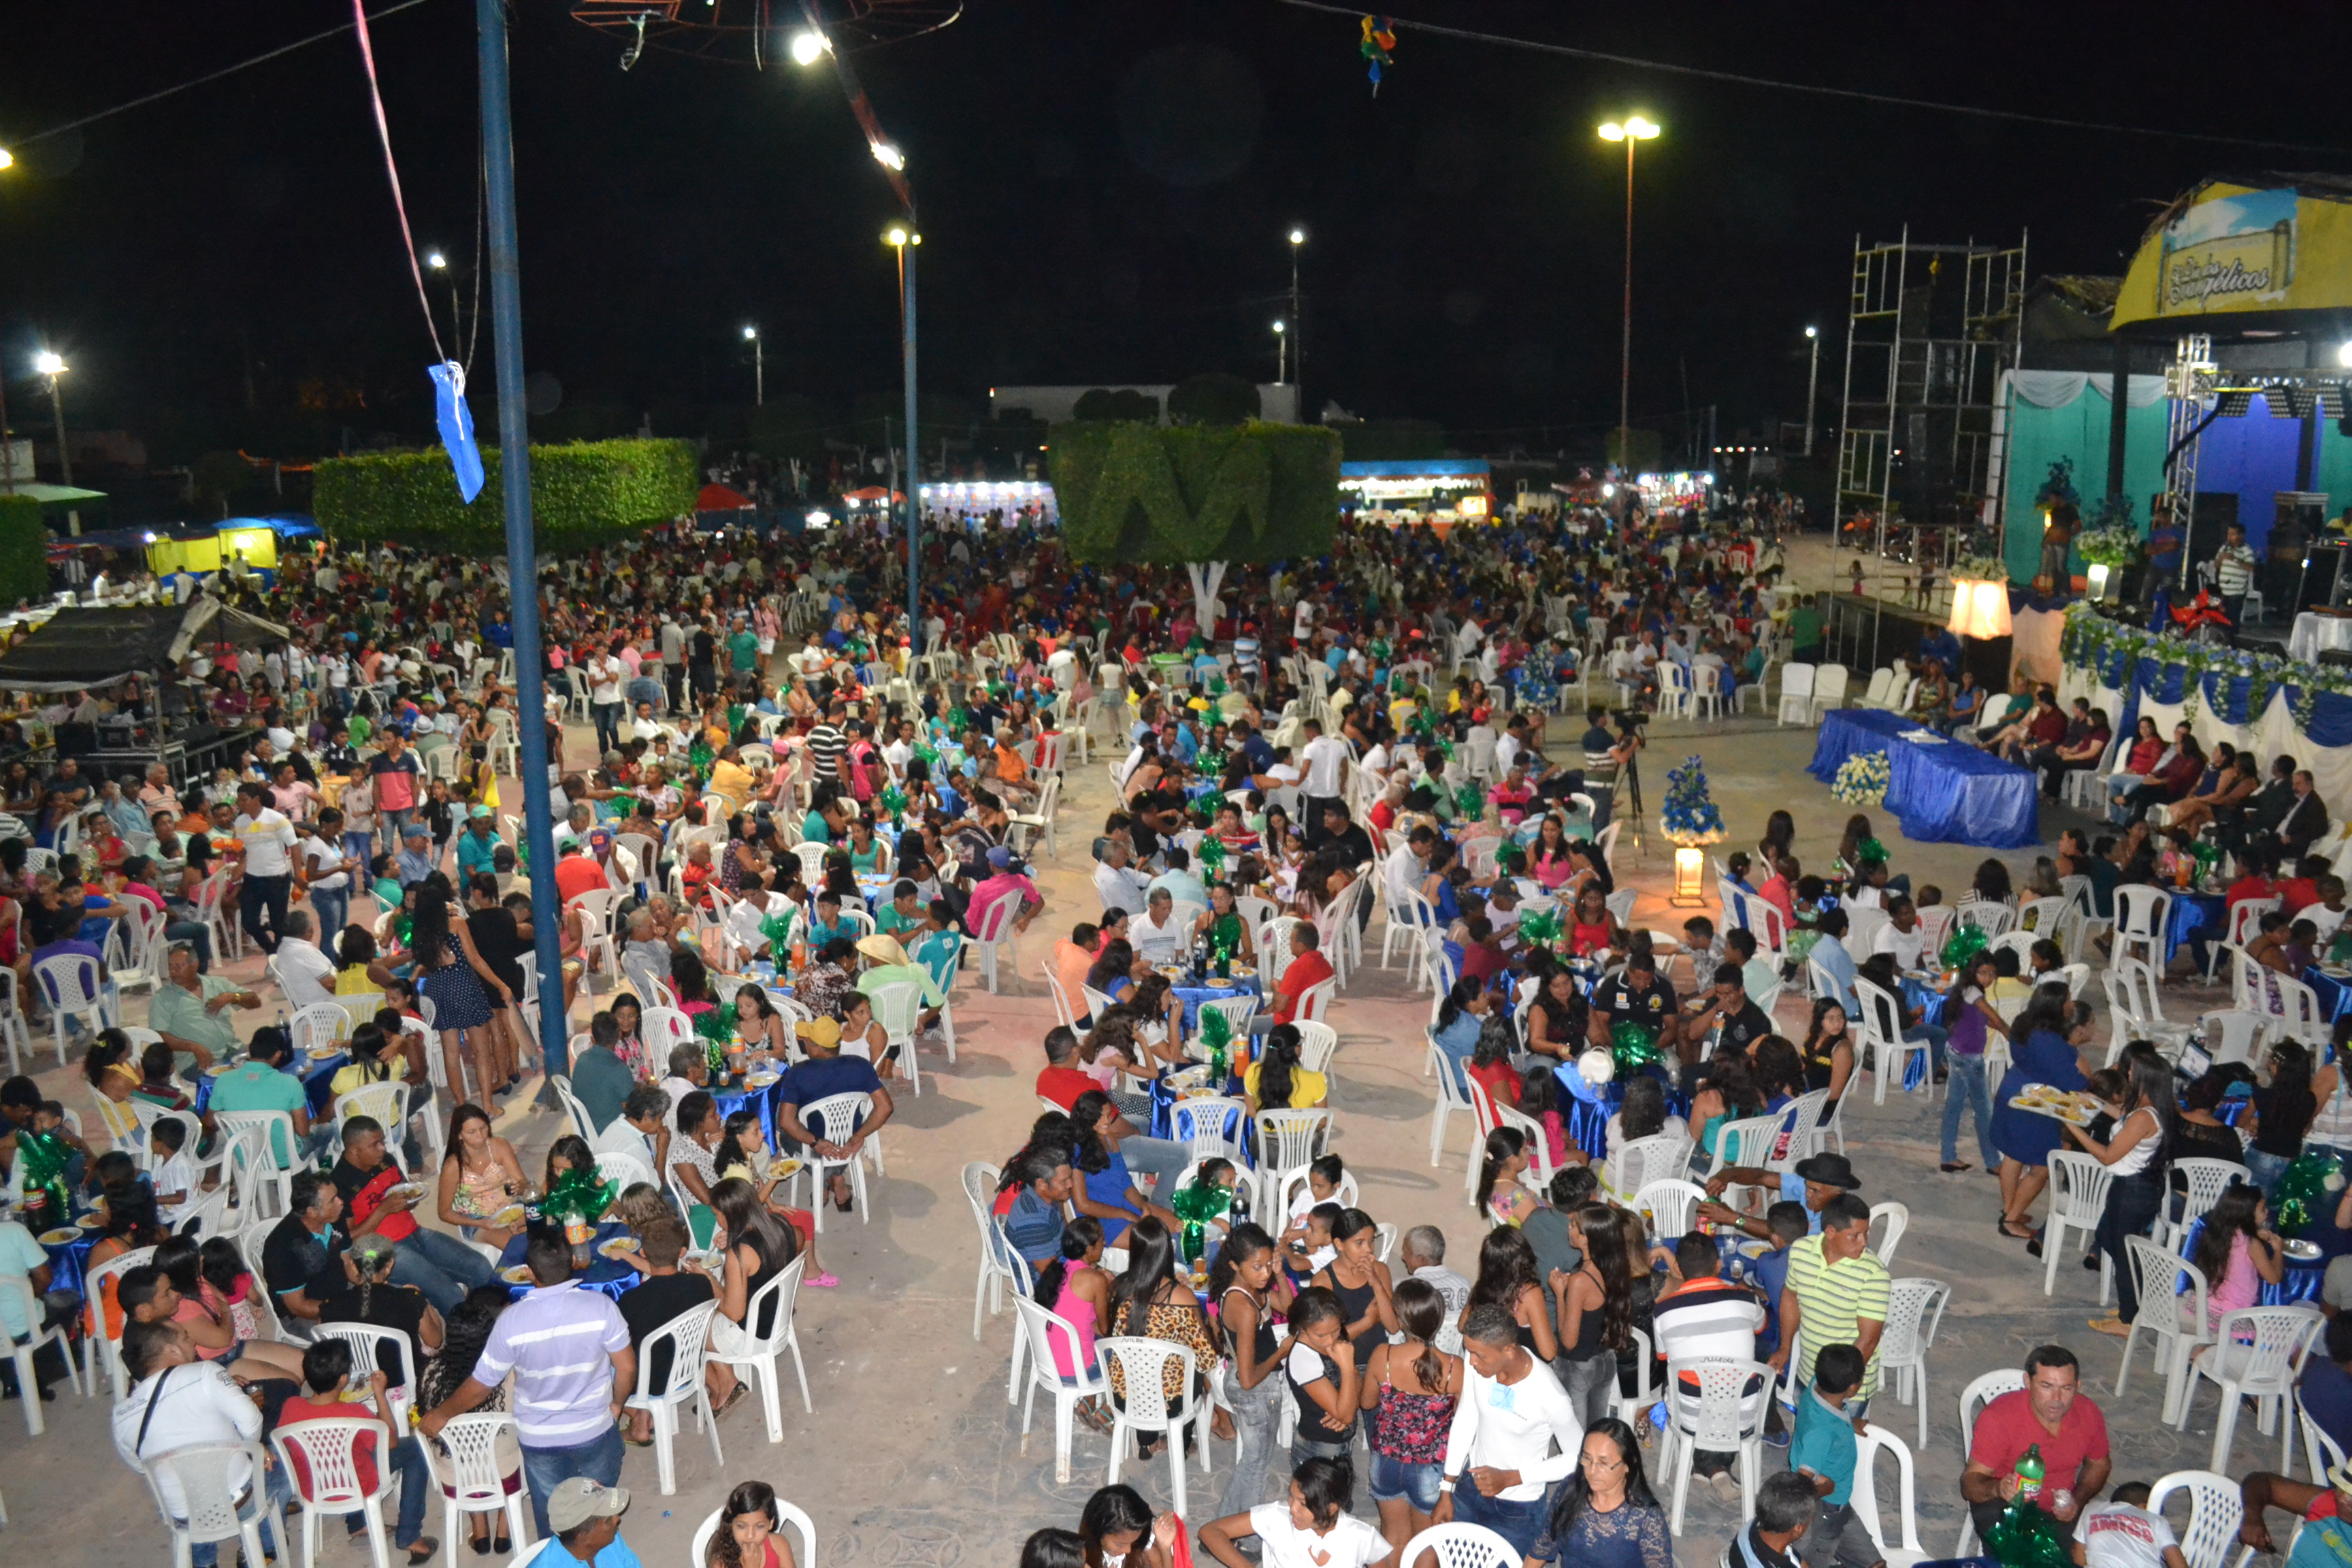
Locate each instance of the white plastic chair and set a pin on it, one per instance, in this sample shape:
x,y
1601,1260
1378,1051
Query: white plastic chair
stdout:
x,y
1904,1551
1914,1308
979,1180
777,1297
362,1340
798,1518
1828,691
22,1355
1796,693
1973,1399
1040,1330
100,1347
1450,1099
1882,1031
465,1462
1460,1546
996,936
1725,1416
2163,1277
2078,1195
74,988
2215,1512
1672,1205
839,1112
1202,1124
689,1334
1897,1216
202,1471
1644,1161
2263,1370
1143,1408
2142,916
333,1486
898,1008
2208,1179
1288,1140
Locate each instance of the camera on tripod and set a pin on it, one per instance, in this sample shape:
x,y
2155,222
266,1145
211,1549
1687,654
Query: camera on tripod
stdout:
x,y
1630,720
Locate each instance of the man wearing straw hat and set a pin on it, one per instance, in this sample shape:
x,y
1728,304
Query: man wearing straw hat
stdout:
x,y
882,962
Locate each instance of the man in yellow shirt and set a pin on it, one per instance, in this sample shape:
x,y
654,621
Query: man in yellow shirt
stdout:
x,y
731,780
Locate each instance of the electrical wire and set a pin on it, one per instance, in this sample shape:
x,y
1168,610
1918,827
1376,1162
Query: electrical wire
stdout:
x,y
209,77
1853,94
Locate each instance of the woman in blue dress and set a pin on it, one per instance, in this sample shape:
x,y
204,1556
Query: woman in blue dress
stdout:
x,y
2047,1038
1605,1516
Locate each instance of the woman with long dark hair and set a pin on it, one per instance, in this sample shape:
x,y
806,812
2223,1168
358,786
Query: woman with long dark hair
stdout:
x,y
1500,1196
756,1246
1075,1289
1507,1278
481,1178
1410,1388
1606,1516
1558,1018
1360,1282
1153,1300
750,1531
1119,1531
2133,1155
454,976
1277,1082
2044,1040
2281,1114
1596,1312
1248,1285
2237,1251
1107,1189
465,1331
1459,1018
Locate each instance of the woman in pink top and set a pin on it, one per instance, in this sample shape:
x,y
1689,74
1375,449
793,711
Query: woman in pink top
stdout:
x,y
1075,1289
2237,1252
1547,857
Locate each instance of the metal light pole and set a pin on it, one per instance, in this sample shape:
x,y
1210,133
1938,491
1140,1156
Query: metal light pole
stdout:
x,y
440,263
1298,356
759,367
1281,353
7,453
905,242
46,362
523,553
1635,129
1812,381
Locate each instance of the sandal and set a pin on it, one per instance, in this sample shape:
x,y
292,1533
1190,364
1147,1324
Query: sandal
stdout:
x,y
423,1550
1953,1167
732,1400
823,1281
2024,1234
2112,1326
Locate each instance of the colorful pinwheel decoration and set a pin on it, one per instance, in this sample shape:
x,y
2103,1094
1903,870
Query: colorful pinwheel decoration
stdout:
x,y
1380,37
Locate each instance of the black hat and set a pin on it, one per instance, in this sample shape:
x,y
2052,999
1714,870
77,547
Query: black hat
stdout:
x,y
1828,1171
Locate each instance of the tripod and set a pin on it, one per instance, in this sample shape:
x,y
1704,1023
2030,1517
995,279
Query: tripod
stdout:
x,y
1630,778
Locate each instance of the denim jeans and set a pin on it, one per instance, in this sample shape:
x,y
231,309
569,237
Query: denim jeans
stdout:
x,y
415,1489
1258,1414
2266,1169
1516,1522
2132,1204
359,848
544,1470
1589,1383
1969,1079
1161,1158
1304,1448
441,1266
334,908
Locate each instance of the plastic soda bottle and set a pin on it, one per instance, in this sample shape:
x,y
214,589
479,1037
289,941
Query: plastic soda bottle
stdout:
x,y
2030,1472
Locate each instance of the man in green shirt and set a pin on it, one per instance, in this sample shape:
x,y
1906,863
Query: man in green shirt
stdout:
x,y
882,962
265,1081
744,647
191,1010
904,912
1805,632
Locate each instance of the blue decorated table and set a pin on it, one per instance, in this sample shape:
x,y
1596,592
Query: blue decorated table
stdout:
x,y
318,1084
69,1261
2192,913
2333,993
1942,791
603,1274
1194,995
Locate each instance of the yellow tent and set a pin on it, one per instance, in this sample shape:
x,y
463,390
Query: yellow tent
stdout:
x,y
2230,252
256,543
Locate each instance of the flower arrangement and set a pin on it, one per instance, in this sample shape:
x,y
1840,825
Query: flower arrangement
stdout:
x,y
1861,780
1980,569
2112,540
1690,817
2110,648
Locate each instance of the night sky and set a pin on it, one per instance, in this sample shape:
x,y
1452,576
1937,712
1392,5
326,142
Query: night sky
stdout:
x,y
1105,186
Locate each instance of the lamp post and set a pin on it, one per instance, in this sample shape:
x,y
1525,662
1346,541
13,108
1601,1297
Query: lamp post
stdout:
x,y
759,367
1812,380
440,263
1298,356
1633,129
905,242
1281,353
7,452
46,362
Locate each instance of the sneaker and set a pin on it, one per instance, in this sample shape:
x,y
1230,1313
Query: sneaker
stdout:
x,y
1779,1439
1724,1485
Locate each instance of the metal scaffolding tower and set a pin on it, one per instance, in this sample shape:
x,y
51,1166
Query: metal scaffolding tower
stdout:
x,y
1930,329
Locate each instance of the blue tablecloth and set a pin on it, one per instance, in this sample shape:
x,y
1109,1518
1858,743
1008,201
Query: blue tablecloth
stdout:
x,y
2334,997
70,1261
763,1101
2192,913
1194,995
603,1274
2301,1281
318,1085
1943,792
1164,1099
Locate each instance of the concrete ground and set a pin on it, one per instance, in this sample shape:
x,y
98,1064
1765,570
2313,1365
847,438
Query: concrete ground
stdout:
x,y
914,1460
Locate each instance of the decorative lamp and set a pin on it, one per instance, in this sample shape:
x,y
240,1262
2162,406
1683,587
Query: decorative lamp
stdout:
x,y
1690,819
1980,608
1690,866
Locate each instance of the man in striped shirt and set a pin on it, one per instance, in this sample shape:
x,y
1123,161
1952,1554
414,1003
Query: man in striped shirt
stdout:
x,y
569,1350
1836,1294
826,743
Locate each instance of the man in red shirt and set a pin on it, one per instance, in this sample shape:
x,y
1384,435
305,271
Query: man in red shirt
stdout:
x,y
2048,1413
326,1367
1308,968
577,872
1160,1160
1060,1081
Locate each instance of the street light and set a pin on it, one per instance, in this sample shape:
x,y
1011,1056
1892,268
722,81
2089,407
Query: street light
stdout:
x,y
1281,353
905,242
810,46
46,362
7,453
1812,380
759,367
1634,129
1299,365
889,157
7,159
438,262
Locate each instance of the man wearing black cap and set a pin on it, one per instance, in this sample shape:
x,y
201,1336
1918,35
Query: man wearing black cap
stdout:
x,y
1814,1183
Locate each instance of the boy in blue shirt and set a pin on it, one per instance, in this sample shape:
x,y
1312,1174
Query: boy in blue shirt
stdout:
x,y
1825,1453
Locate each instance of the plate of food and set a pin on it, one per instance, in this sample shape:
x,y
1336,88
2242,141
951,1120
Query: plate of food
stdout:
x,y
508,1218
518,1275
411,1191
90,1222
1753,1249
1244,972
59,1236
761,1079
780,1169
2066,1105
620,1249
2303,1251
220,1067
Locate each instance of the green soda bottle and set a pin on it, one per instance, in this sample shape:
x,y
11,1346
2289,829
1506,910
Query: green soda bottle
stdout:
x,y
2030,1472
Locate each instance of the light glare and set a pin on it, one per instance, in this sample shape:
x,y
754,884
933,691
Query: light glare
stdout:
x,y
886,155
808,47
46,362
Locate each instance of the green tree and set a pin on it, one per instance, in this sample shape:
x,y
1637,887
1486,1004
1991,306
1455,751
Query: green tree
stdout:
x,y
1213,397
581,495
24,550
1124,404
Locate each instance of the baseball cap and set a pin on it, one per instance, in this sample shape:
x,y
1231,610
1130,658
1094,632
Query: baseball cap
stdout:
x,y
416,830
575,1501
825,1032
480,811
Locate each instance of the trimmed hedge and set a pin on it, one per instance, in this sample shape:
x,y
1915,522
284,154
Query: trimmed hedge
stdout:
x,y
1255,492
24,550
582,494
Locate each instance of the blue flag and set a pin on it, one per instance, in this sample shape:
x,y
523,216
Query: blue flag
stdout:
x,y
456,424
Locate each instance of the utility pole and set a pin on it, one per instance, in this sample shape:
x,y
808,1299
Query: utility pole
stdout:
x,y
1813,381
1296,325
522,552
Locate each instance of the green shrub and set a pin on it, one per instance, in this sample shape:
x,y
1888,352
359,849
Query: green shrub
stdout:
x,y
1255,492
24,550
581,495
1213,397
1103,404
